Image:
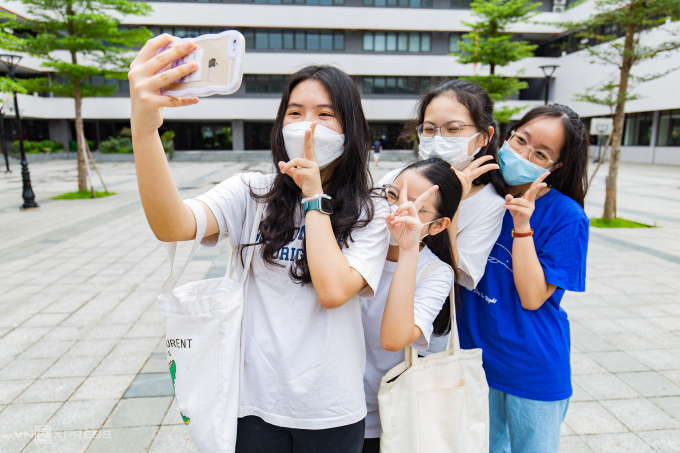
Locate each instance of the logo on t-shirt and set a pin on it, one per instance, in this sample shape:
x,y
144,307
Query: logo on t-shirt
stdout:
x,y
293,250
507,263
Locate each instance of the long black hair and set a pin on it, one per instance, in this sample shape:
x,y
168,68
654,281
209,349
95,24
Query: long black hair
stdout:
x,y
446,201
348,181
478,103
571,178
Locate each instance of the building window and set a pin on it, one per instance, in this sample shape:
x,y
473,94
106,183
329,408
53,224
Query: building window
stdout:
x,y
638,129
268,38
669,128
399,3
380,41
454,42
275,39
290,2
265,83
395,85
461,4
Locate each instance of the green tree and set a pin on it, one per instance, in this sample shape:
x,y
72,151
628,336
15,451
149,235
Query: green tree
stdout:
x,y
77,39
615,36
490,44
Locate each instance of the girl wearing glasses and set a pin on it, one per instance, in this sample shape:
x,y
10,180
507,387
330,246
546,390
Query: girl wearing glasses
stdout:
x,y
424,198
514,314
455,123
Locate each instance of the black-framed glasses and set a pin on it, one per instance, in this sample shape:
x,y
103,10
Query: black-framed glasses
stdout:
x,y
449,131
391,194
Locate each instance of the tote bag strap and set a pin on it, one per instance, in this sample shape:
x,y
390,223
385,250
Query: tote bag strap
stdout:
x,y
201,225
251,250
410,354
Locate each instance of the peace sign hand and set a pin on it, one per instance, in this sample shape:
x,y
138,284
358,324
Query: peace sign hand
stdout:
x,y
404,224
304,170
522,208
473,171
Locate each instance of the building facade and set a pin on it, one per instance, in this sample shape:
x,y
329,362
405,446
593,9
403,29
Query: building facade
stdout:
x,y
393,49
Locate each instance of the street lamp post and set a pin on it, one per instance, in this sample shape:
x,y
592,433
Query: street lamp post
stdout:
x,y
548,71
29,197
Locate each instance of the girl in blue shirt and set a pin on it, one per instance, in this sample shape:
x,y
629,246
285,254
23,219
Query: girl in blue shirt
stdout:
x,y
514,313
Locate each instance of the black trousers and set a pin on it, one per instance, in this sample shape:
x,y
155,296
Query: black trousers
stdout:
x,y
371,445
254,435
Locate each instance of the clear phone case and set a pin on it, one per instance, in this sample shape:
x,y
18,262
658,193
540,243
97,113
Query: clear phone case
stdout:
x,y
220,65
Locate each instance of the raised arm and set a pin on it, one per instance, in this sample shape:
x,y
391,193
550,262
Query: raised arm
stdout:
x,y
169,218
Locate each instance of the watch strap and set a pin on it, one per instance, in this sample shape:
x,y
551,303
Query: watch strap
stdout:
x,y
522,235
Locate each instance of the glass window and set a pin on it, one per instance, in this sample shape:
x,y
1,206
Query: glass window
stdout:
x,y
414,3
275,39
403,42
368,41
414,42
263,83
261,39
312,2
181,32
326,40
412,85
312,40
669,128
338,40
392,3
288,40
277,82
153,29
368,85
391,85
401,85
403,3
250,38
638,129
379,85
454,41
380,2
368,2
425,42
379,42
391,42
299,39
250,83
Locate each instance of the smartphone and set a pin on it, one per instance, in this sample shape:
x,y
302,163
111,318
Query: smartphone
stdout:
x,y
220,65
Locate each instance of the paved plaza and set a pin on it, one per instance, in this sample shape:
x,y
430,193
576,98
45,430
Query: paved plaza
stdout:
x,y
82,358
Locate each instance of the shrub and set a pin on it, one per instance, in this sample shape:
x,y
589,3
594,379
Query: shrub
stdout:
x,y
116,145
45,146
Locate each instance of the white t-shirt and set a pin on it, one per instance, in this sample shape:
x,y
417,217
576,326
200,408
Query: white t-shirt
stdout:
x,y
479,225
302,365
430,295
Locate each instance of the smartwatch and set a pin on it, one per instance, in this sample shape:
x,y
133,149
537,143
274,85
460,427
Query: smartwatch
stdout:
x,y
322,203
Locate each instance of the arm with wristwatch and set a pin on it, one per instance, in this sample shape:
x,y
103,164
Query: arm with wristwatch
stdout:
x,y
335,282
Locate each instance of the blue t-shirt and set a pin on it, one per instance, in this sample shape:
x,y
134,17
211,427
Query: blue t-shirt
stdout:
x,y
525,352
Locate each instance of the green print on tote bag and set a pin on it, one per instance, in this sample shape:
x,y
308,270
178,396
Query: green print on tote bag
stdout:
x,y
203,338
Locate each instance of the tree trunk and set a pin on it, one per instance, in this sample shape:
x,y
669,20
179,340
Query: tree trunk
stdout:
x,y
619,118
80,136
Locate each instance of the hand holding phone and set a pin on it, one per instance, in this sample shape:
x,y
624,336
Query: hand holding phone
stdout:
x,y
220,65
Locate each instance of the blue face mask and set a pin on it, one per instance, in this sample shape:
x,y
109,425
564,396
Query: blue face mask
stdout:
x,y
515,169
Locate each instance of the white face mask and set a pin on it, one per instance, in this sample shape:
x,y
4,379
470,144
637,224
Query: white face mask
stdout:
x,y
328,144
455,152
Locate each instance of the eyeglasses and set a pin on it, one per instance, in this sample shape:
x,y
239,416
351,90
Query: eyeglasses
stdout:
x,y
391,194
449,131
519,143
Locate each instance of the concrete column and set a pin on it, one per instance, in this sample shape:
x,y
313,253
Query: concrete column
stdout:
x,y
237,135
60,131
655,133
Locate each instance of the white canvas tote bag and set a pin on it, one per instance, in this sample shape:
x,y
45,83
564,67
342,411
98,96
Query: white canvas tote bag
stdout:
x,y
203,335
436,404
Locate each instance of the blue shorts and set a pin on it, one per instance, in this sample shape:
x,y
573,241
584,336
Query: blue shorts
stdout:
x,y
521,425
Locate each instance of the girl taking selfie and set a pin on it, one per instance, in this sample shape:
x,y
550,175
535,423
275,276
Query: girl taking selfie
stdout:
x,y
321,247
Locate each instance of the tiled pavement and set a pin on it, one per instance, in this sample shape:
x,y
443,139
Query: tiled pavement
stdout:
x,y
82,360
